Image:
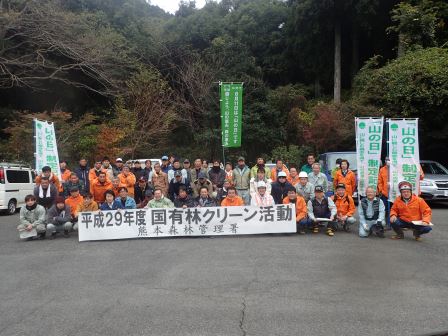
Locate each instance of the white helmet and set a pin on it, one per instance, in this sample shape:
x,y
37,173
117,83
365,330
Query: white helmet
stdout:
x,y
303,174
261,184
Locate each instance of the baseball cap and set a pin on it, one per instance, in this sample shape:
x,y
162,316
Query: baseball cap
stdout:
x,y
318,188
142,179
186,161
241,158
164,158
118,160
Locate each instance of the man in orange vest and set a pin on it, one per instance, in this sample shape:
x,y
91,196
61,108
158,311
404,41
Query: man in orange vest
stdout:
x,y
302,220
345,207
410,211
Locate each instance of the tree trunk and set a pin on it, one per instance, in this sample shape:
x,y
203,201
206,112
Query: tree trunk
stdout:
x,y
317,92
337,61
355,51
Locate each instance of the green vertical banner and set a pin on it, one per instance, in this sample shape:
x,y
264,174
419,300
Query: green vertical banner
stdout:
x,y
231,113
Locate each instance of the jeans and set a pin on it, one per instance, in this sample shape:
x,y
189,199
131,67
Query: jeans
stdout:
x,y
418,229
245,195
303,224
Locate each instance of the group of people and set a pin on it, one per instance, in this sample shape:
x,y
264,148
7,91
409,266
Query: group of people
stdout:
x,y
56,203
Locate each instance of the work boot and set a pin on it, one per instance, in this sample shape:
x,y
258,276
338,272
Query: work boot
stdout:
x,y
417,236
316,229
330,232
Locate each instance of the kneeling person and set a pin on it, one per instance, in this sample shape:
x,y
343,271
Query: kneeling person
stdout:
x,y
408,208
32,216
302,219
322,207
345,207
59,218
371,215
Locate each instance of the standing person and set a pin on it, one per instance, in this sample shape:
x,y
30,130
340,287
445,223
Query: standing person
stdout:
x,y
216,175
32,216
46,172
95,171
347,177
304,188
45,193
140,189
73,201
138,171
109,203
293,178
124,201
308,167
119,165
336,168
59,218
109,169
229,172
302,220
260,164
345,207
148,171
186,171
159,201
371,215
166,166
280,188
204,200
317,178
176,167
222,193
65,174
202,181
74,181
241,180
183,200
383,188
99,186
82,171
260,177
127,179
322,207
160,179
407,209
279,167
261,198
176,183
197,168
232,198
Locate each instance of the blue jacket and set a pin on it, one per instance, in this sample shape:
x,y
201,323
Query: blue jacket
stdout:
x,y
106,207
129,204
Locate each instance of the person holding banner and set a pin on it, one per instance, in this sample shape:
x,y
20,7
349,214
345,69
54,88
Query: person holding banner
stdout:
x,y
32,217
159,201
345,207
204,200
371,215
261,197
302,220
109,201
232,198
322,209
46,172
346,177
183,199
124,201
410,211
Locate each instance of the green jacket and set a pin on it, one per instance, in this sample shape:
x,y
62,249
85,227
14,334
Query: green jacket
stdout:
x,y
254,170
164,202
33,217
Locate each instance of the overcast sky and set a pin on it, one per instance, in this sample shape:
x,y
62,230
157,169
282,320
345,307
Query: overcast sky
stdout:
x,y
173,5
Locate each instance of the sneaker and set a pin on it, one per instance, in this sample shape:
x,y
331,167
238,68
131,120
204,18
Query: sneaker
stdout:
x,y
315,229
330,232
66,234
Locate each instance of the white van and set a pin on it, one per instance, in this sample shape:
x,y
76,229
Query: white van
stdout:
x,y
16,181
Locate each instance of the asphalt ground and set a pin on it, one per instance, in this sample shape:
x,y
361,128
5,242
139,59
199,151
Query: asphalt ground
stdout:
x,y
248,285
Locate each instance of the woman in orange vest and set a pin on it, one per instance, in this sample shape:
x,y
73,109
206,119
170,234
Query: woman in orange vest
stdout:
x,y
345,176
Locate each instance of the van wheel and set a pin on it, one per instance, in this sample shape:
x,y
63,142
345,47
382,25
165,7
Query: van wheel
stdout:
x,y
11,208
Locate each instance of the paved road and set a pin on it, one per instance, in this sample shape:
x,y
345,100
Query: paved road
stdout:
x,y
258,285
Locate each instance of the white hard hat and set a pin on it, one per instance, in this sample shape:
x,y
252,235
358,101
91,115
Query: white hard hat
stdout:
x,y
281,174
261,184
303,174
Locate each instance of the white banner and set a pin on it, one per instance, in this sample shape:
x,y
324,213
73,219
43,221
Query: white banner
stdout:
x,y
46,147
177,222
369,138
404,155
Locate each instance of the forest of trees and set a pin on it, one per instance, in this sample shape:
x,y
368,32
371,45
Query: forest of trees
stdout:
x,y
124,78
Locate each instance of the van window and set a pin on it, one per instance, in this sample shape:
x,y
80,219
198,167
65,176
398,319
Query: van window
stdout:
x,y
18,176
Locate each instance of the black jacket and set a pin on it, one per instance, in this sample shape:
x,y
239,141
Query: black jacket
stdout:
x,y
188,201
280,190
